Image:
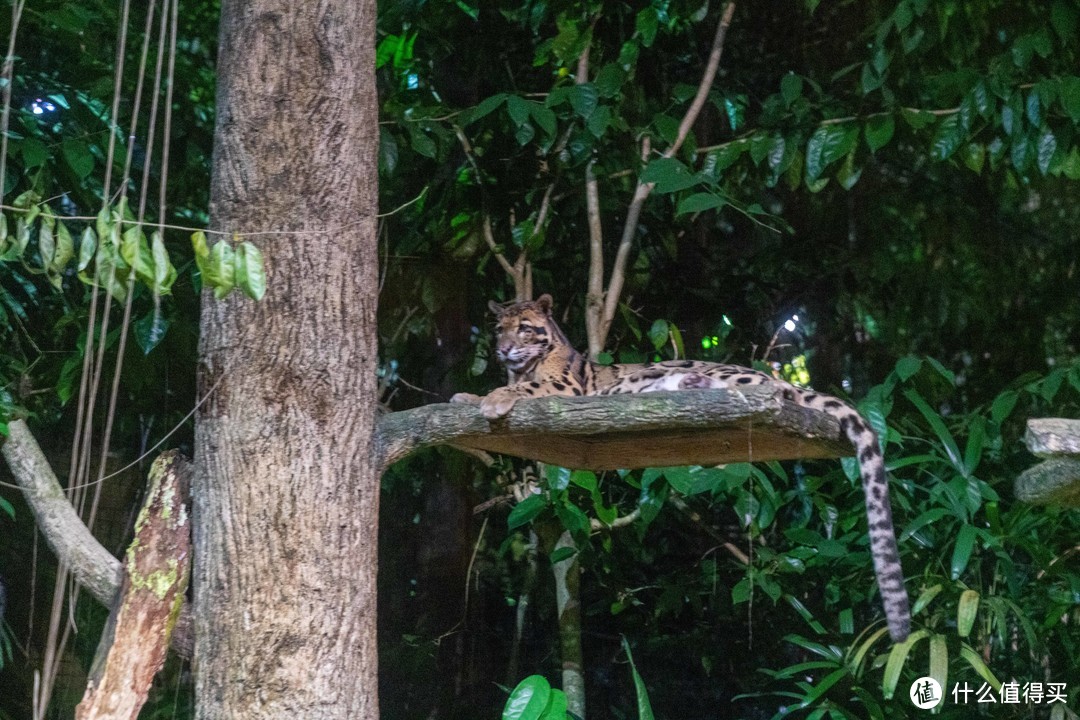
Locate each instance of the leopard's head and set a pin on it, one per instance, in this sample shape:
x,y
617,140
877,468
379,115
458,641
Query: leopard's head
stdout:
x,y
524,333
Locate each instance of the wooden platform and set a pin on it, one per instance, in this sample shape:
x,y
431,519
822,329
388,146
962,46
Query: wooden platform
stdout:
x,y
698,427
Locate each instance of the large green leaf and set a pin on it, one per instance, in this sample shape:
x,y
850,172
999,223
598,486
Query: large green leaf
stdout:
x,y
526,510
644,707
828,144
528,700
669,175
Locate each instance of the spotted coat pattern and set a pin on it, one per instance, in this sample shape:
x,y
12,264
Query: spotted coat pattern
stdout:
x,y
540,361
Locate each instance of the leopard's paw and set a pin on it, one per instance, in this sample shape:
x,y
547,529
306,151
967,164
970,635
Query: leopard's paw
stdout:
x,y
497,404
467,398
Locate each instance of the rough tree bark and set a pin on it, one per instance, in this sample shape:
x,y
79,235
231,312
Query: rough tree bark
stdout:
x,y
286,484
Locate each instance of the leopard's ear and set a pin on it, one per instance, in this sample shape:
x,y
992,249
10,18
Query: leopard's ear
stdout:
x,y
544,303
495,308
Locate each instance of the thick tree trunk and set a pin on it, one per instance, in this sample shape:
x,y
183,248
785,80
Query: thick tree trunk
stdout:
x,y
286,487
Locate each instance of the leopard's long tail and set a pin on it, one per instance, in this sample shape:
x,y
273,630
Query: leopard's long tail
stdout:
x,y
886,554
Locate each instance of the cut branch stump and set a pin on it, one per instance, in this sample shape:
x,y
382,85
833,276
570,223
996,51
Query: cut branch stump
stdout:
x,y
157,565
1056,480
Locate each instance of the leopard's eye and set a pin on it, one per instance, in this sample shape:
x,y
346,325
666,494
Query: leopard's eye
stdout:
x,y
524,329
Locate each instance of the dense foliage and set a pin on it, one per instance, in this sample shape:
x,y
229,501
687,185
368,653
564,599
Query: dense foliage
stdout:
x,y
869,185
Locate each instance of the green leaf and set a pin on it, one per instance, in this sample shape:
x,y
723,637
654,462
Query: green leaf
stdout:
x,y
65,248
879,131
974,448
828,144
46,240
164,272
907,366
948,137
87,248
966,610
599,121
644,707
150,329
250,274
979,665
897,658
556,709
388,152
848,174
1045,148
700,202
202,251
1063,18
78,157
609,80
791,87
526,510
669,175
965,543
646,25
1069,95
136,253
558,478
518,109
561,554
1020,154
1003,405
949,375
928,517
7,508
926,598
34,153
528,700
220,270
917,119
974,156
486,107
584,98
421,143
939,659
658,333
543,116
574,520
524,134
938,426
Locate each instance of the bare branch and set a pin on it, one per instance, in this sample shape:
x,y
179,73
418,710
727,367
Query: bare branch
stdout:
x,y
489,238
93,566
706,82
594,301
642,191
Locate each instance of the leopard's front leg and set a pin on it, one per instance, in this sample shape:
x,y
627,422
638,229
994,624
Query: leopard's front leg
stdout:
x,y
499,402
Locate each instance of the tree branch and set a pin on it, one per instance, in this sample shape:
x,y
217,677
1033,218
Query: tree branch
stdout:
x,y
93,566
642,191
625,431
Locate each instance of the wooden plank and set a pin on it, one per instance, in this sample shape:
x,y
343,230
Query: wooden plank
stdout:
x,y
700,427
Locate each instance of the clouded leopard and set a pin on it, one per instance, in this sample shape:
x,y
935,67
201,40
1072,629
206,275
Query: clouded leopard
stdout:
x,y
540,361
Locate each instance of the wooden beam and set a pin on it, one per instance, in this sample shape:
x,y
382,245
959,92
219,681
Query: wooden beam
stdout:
x,y
699,427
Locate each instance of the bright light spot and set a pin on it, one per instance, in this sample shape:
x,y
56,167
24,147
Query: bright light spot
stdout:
x,y
727,320
706,343
790,326
412,81
795,318
40,107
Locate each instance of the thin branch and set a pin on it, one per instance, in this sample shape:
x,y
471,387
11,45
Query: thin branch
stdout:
x,y
706,82
642,191
598,525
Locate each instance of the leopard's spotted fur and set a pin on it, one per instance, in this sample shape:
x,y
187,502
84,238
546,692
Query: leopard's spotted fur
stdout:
x,y
540,361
